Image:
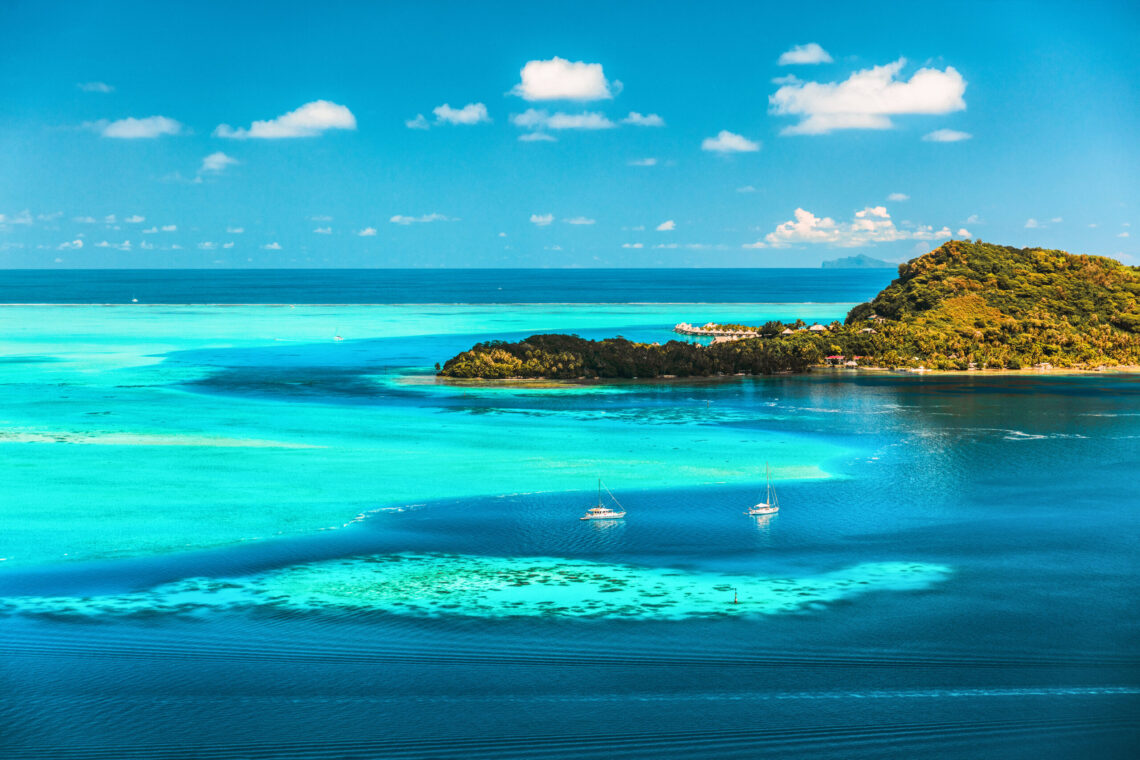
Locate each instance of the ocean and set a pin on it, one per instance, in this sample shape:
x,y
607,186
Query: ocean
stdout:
x,y
224,533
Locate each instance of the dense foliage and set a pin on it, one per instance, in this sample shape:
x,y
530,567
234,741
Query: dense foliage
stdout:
x,y
960,306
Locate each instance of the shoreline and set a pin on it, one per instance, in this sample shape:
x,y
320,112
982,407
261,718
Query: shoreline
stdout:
x,y
540,382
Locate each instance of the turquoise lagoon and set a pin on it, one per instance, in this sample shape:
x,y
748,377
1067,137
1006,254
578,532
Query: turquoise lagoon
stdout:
x,y
224,532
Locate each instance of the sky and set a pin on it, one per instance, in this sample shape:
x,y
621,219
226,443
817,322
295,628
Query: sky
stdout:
x,y
584,134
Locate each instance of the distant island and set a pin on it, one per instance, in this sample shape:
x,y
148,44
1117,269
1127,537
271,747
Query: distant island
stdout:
x,y
860,261
961,306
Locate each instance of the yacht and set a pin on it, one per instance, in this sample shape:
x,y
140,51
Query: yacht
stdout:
x,y
601,511
771,503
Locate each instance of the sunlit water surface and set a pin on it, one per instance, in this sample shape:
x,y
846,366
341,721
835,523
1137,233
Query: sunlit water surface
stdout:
x,y
226,534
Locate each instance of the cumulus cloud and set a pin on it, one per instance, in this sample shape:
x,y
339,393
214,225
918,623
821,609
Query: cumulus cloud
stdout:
x,y
135,129
23,217
216,162
367,232
867,99
898,197
228,245
405,220
871,225
80,219
560,79
632,245
643,162
805,54
274,246
1057,220
537,137
537,119
472,113
135,219
1032,224
729,142
579,220
746,189
323,230
648,120
1124,235
420,122
102,87
207,245
72,246
964,233
235,230
946,135
667,226
310,120
123,246
170,228
541,220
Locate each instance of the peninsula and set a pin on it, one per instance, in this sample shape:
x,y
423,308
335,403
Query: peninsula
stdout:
x,y
964,305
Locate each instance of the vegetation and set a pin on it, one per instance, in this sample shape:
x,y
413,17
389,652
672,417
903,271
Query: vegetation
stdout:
x,y
964,305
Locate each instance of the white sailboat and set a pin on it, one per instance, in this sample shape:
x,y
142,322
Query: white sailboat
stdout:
x,y
771,503
601,511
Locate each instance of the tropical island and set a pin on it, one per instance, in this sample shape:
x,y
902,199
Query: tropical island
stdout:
x,y
963,306
860,261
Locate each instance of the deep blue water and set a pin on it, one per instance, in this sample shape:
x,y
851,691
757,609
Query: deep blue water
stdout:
x,y
380,286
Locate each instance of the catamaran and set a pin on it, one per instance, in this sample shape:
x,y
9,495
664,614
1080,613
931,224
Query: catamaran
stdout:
x,y
771,503
602,512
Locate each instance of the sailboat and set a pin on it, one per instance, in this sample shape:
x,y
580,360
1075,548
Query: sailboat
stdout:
x,y
602,512
771,503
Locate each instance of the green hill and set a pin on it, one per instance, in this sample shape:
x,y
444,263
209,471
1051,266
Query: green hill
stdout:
x,y
963,305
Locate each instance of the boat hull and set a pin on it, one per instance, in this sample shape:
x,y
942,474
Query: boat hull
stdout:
x,y
614,516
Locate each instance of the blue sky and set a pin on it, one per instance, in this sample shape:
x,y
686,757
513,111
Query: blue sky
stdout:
x,y
182,134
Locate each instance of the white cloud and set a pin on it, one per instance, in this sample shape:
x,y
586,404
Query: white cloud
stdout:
x,y
1093,225
871,225
102,87
537,137
632,245
867,99
207,246
274,246
82,219
235,230
216,162
534,118
405,220
310,120
23,217
541,219
552,248
667,226
805,54
973,219
472,113
323,230
322,218
1124,235
46,217
146,245
898,197
729,142
1031,224
946,135
643,162
648,120
746,189
1057,220
964,233
560,79
109,219
123,246
133,129
579,220
73,245
367,232
418,123
135,219
170,228
150,230
228,245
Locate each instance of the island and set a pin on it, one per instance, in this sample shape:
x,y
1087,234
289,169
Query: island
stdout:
x,y
963,306
859,261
